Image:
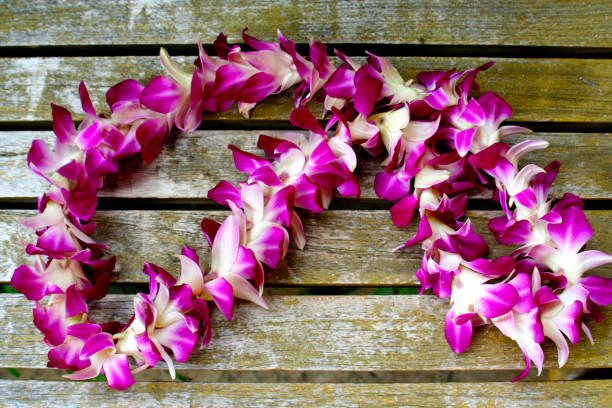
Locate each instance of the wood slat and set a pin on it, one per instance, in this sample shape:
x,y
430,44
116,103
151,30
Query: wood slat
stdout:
x,y
344,248
565,90
306,333
390,21
195,162
159,394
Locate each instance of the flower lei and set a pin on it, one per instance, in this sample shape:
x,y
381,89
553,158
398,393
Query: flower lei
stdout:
x,y
440,144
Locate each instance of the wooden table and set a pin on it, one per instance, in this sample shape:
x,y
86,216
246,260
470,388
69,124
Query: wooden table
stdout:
x,y
344,326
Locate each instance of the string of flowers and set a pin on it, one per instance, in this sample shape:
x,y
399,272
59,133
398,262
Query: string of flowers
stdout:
x,y
441,144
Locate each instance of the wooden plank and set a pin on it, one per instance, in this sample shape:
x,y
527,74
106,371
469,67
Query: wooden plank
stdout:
x,y
565,90
306,333
166,394
344,248
195,162
390,21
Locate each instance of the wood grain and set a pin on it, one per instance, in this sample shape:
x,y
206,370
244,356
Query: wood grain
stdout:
x,y
344,248
164,394
305,333
563,90
193,163
546,23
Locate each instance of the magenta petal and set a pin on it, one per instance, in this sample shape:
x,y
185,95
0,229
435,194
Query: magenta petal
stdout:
x,y
57,239
541,182
470,246
223,191
423,232
191,254
525,371
178,338
96,343
128,90
97,165
41,156
161,94
225,246
322,154
81,203
84,331
197,92
459,336
570,321
244,290
51,321
75,304
307,195
502,266
496,300
392,186
280,206
526,302
572,232
301,117
86,104
257,88
514,233
463,140
89,137
526,198
26,281
150,135
265,175
223,295
367,90
269,246
473,113
437,99
117,371
350,188
63,126
245,263
67,356
229,79
402,211
246,162
209,229
341,83
600,289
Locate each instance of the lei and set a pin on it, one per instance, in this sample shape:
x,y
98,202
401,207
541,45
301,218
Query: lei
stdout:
x,y
439,145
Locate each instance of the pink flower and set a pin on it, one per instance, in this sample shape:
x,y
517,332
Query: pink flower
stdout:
x,y
522,324
100,349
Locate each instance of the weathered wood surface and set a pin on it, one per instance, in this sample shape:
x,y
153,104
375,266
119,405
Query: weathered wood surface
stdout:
x,y
546,23
305,333
165,394
344,248
563,90
193,163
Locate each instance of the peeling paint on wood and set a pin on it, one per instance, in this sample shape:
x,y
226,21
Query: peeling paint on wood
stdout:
x,y
537,89
319,333
165,394
545,23
193,163
343,248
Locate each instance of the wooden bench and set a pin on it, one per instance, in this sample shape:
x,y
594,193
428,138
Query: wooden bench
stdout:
x,y
345,326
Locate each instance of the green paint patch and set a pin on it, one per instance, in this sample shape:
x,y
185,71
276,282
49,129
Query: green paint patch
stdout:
x,y
7,289
397,291
182,378
15,372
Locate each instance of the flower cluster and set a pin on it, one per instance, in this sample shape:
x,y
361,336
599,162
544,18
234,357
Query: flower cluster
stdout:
x,y
440,144
69,268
